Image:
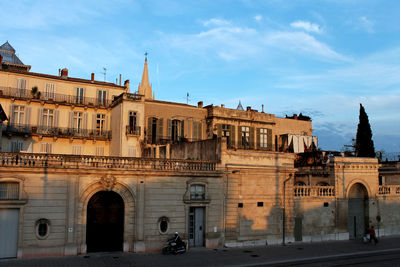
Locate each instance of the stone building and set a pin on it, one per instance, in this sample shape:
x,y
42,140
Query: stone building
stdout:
x,y
88,166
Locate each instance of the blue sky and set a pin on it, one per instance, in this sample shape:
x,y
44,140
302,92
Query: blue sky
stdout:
x,y
321,58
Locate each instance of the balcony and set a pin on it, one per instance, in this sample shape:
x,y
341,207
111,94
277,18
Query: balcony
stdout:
x,y
58,161
29,130
24,94
314,191
133,130
389,190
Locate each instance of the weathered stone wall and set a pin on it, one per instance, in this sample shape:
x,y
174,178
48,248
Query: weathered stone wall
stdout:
x,y
200,150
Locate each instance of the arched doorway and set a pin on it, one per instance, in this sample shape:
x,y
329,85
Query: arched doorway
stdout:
x,y
357,211
105,222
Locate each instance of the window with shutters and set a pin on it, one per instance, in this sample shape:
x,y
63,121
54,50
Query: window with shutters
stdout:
x,y
79,95
101,97
196,131
245,136
263,138
21,88
46,148
177,130
49,91
76,150
100,123
16,146
48,118
18,114
9,190
226,132
100,151
78,121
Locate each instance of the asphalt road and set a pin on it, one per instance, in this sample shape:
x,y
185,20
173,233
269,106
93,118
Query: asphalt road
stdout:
x,y
333,253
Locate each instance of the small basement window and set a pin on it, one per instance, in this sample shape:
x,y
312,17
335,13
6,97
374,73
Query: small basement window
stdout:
x,y
240,205
260,204
42,228
163,224
9,190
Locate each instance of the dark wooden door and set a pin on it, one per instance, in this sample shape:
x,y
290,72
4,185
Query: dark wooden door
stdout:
x,y
105,222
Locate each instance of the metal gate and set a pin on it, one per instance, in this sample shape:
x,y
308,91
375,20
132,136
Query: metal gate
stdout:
x,y
8,233
196,227
298,229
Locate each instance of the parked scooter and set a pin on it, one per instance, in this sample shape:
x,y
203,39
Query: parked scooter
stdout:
x,y
175,245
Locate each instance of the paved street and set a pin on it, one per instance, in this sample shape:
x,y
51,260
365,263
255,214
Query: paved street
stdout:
x,y
333,253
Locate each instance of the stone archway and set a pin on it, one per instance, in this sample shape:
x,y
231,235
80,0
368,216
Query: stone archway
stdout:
x,y
105,222
358,212
128,195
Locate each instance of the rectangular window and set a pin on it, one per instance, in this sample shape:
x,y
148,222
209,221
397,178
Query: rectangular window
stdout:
x,y
101,97
197,192
78,121
245,136
100,151
49,91
48,118
21,88
132,119
18,114
76,150
226,132
46,148
263,138
16,146
100,123
79,95
9,190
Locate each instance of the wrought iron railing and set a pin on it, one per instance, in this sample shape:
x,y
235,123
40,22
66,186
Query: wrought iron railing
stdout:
x,y
385,190
53,97
81,162
26,129
314,191
132,130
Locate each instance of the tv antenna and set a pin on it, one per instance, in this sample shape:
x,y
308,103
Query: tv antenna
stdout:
x,y
104,73
187,98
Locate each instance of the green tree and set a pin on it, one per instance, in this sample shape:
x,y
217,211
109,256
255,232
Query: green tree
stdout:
x,y
364,145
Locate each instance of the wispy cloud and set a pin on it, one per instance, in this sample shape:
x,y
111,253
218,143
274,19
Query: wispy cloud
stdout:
x,y
216,22
366,24
307,26
258,18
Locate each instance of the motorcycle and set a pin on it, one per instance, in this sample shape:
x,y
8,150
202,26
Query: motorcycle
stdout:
x,y
175,245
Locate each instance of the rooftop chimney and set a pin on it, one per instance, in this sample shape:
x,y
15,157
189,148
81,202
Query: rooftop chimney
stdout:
x,y
92,77
200,104
64,73
262,108
248,108
120,76
126,84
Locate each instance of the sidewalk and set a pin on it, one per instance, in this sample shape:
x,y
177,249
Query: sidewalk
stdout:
x,y
274,255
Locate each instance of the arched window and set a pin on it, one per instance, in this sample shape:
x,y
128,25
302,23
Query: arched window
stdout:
x,y
163,225
42,228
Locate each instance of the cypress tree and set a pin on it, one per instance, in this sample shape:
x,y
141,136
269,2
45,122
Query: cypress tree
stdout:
x,y
364,145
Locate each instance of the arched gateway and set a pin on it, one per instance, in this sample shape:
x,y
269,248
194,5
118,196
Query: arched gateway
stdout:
x,y
358,212
105,222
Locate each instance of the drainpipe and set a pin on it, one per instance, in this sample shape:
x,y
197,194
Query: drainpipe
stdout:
x,y
284,210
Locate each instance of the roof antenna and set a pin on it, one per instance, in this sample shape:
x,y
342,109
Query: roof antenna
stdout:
x,y
187,98
104,73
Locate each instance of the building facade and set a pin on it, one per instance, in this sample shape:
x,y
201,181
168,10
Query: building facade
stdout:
x,y
88,166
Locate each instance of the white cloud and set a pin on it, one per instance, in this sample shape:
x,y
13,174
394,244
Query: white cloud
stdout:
x,y
307,26
216,22
366,24
258,18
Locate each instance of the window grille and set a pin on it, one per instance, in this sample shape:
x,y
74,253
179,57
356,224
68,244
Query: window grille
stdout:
x,y
197,192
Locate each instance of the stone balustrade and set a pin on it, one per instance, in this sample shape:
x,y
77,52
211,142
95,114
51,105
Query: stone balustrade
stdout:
x,y
385,190
314,191
30,160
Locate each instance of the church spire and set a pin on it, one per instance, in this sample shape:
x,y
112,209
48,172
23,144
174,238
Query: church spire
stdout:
x,y
145,87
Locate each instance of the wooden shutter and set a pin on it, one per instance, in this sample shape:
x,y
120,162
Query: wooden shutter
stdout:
x,y
94,121
233,136
269,139
182,129
219,130
71,120
251,137
160,127
149,128
239,136
106,123
27,115
11,114
56,115
40,118
169,128
258,138
199,131
85,121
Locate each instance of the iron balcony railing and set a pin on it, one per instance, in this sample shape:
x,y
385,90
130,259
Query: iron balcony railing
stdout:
x,y
132,130
31,160
25,129
24,94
